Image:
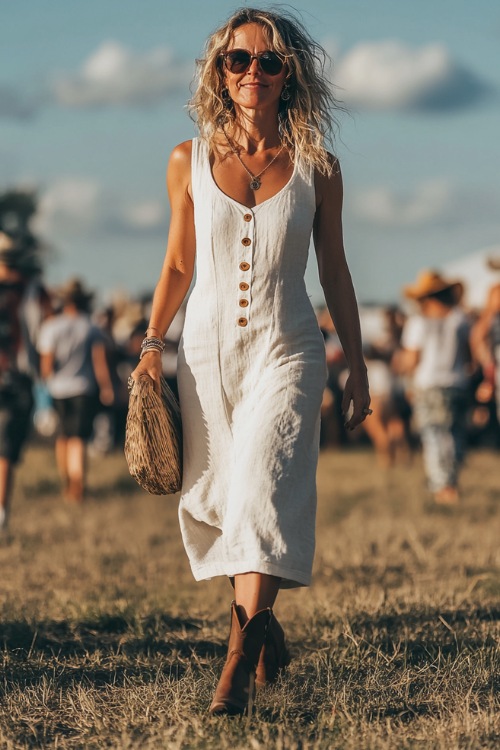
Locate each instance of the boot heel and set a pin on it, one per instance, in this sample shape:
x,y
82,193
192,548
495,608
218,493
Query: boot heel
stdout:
x,y
251,695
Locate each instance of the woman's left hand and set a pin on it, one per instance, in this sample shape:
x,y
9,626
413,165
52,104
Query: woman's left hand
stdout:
x,y
357,392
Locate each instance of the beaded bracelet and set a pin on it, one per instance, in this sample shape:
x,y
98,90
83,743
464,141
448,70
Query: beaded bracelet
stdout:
x,y
151,343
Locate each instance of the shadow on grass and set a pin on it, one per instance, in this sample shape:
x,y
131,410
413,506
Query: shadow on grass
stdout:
x,y
108,635
461,628
29,675
117,650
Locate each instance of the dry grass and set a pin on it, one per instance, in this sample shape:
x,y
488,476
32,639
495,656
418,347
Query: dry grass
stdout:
x,y
106,642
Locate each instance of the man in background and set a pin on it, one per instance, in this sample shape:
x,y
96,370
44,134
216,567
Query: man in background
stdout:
x,y
437,356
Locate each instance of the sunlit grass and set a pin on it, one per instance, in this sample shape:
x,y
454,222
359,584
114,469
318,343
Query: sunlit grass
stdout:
x,y
106,641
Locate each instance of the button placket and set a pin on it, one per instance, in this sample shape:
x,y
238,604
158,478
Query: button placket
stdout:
x,y
245,270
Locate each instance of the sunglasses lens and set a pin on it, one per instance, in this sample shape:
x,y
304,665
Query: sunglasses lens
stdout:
x,y
238,61
271,63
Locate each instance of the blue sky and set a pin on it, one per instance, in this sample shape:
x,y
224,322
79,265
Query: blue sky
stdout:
x,y
92,101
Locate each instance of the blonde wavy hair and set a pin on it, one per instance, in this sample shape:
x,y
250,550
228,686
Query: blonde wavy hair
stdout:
x,y
306,119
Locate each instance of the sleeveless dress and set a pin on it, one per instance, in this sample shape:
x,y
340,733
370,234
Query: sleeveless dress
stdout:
x,y
251,375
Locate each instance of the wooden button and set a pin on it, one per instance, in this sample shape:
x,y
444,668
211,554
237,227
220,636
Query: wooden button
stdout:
x,y
246,241
244,266
244,286
243,303
247,217
242,322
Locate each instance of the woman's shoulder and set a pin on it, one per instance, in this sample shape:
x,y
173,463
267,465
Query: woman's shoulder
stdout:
x,y
328,183
181,154
332,173
179,165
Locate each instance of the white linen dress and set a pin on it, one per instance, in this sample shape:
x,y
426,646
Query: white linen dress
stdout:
x,y
251,376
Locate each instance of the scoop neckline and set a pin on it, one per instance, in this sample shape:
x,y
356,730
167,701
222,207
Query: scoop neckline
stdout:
x,y
242,205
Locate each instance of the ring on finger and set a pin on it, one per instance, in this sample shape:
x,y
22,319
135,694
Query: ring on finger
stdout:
x,y
367,411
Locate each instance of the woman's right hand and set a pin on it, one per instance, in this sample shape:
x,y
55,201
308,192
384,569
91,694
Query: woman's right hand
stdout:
x,y
150,367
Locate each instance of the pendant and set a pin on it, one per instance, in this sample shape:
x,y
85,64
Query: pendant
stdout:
x,y
255,183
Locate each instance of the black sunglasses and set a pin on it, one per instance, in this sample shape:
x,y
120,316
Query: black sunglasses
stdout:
x,y
239,60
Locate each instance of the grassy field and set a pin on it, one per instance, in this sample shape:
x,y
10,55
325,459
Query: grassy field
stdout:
x,y
106,641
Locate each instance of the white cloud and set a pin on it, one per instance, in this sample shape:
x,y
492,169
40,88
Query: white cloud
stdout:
x,y
431,201
146,215
116,76
74,206
69,206
391,75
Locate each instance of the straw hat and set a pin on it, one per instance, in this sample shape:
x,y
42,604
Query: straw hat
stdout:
x,y
431,282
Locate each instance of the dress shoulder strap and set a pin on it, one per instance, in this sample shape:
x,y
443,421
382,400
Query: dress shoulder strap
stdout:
x,y
199,166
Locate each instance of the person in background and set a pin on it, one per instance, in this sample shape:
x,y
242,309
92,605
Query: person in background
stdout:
x,y
74,364
109,423
23,305
385,428
333,430
170,353
437,355
485,341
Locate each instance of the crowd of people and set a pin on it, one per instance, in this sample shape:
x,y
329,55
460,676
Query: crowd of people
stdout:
x,y
434,373
64,368
433,368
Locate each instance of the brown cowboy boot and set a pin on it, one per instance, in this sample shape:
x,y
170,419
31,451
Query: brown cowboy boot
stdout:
x,y
235,692
274,655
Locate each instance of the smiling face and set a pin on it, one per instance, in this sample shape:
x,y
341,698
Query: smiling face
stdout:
x,y
253,89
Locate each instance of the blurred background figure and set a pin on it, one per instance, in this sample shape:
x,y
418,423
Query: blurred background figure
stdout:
x,y
74,363
437,355
109,422
386,427
332,420
23,305
170,353
485,342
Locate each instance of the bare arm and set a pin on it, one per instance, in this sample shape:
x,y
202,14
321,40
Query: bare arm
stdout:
x,y
102,374
46,365
339,292
479,343
178,267
408,361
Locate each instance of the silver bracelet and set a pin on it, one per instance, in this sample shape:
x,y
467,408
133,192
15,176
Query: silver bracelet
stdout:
x,y
149,348
153,341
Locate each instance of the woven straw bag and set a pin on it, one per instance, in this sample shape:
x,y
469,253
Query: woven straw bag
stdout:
x,y
153,438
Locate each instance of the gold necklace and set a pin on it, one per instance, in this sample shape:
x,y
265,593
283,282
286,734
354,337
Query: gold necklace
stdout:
x,y
255,181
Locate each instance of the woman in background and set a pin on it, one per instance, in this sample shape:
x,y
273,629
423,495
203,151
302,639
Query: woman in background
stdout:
x,y
74,364
24,303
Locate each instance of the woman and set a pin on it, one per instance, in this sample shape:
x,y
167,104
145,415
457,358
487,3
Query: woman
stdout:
x,y
485,342
74,363
23,305
246,196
